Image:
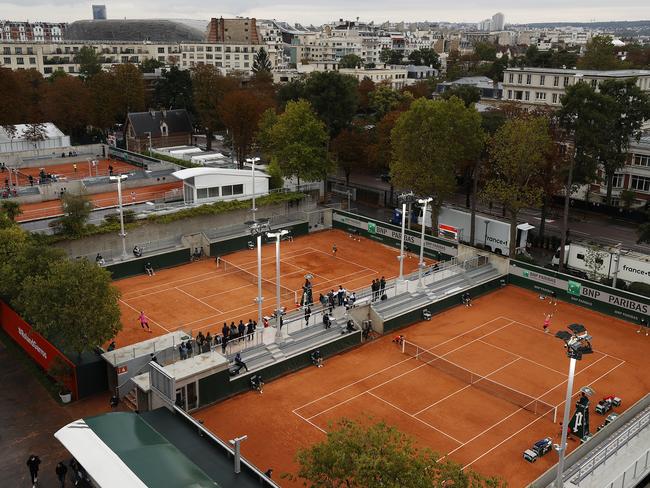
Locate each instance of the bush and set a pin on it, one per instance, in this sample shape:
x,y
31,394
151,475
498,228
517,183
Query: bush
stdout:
x,y
114,218
171,159
620,284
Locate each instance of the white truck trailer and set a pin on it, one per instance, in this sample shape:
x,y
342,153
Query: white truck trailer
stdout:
x,y
490,233
602,261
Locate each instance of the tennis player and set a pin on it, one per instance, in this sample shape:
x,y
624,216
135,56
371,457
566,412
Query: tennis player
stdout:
x,y
144,322
547,321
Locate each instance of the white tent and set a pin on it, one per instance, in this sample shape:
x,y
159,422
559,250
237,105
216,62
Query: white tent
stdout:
x,y
51,138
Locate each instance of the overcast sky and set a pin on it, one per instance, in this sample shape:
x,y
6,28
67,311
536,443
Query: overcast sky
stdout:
x,y
322,11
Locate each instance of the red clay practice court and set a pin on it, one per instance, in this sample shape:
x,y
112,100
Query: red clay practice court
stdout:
x,y
499,337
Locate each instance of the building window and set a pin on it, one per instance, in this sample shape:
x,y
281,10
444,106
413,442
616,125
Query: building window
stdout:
x,y
640,160
201,193
529,79
47,71
6,50
641,183
510,94
527,95
554,97
7,60
542,80
32,60
213,192
540,95
161,50
30,50
70,69
20,61
594,83
230,190
519,79
556,81
566,81
617,180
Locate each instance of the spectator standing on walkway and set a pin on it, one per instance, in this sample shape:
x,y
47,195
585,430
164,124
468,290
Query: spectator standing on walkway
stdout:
x,y
182,351
382,285
307,315
250,329
233,332
61,472
373,289
340,294
33,463
241,329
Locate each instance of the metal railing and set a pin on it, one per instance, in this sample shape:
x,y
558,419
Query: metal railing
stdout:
x,y
637,469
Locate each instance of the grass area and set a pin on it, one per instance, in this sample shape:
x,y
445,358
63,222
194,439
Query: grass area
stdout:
x,y
18,354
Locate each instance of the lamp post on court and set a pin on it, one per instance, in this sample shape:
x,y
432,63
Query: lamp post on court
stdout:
x,y
277,236
253,161
424,202
257,229
577,342
119,179
406,199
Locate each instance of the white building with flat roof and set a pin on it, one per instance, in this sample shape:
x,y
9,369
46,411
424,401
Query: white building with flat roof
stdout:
x,y
205,185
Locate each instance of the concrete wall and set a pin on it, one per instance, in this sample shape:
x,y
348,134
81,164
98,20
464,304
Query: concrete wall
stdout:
x,y
109,244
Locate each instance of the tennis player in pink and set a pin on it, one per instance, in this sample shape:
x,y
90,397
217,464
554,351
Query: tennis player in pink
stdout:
x,y
144,322
547,321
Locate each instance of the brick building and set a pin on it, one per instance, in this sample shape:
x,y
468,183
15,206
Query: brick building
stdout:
x,y
157,128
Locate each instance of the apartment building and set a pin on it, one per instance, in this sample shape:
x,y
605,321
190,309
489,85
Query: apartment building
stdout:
x,y
634,177
545,86
50,57
31,31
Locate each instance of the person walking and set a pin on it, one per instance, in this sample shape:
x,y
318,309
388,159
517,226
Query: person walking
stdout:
x,y
547,322
334,249
373,289
33,463
144,322
61,471
307,315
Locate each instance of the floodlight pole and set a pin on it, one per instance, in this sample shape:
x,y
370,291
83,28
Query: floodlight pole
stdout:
x,y
559,483
252,161
425,202
406,198
277,235
618,261
237,443
119,179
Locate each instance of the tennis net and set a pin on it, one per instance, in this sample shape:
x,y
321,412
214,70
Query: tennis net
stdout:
x,y
268,286
476,380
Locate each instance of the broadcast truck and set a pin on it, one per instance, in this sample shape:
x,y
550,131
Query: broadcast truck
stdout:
x,y
632,266
490,233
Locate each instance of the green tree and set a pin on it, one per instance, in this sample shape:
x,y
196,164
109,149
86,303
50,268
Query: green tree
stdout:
x,y
600,54
298,143
264,137
104,101
209,88
424,57
262,61
76,210
384,99
174,89
350,61
468,94
517,152
594,261
379,149
88,61
150,65
291,92
429,142
73,304
485,51
13,241
334,97
390,56
11,209
358,456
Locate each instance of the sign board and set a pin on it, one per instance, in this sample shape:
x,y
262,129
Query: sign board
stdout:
x,y
372,228
448,231
122,369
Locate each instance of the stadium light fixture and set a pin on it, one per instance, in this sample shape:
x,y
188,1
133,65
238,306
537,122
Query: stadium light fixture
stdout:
x,y
119,179
577,343
406,198
258,228
253,161
424,202
278,313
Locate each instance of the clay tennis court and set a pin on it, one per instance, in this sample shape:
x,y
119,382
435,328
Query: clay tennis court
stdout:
x,y
500,336
200,296
66,170
52,208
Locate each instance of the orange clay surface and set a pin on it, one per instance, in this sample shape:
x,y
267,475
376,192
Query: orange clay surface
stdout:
x,y
66,170
200,296
52,208
500,336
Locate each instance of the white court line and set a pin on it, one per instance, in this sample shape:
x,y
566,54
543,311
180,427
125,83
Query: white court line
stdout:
x,y
465,387
414,417
229,290
539,418
392,365
138,311
310,422
198,299
536,329
526,359
170,283
400,375
345,260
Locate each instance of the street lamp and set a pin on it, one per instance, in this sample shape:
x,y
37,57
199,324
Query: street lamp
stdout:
x,y
406,199
257,229
149,135
424,202
277,236
119,179
253,161
577,343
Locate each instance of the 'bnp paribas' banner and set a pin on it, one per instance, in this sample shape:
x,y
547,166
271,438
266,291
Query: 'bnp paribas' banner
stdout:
x,y
627,306
390,235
